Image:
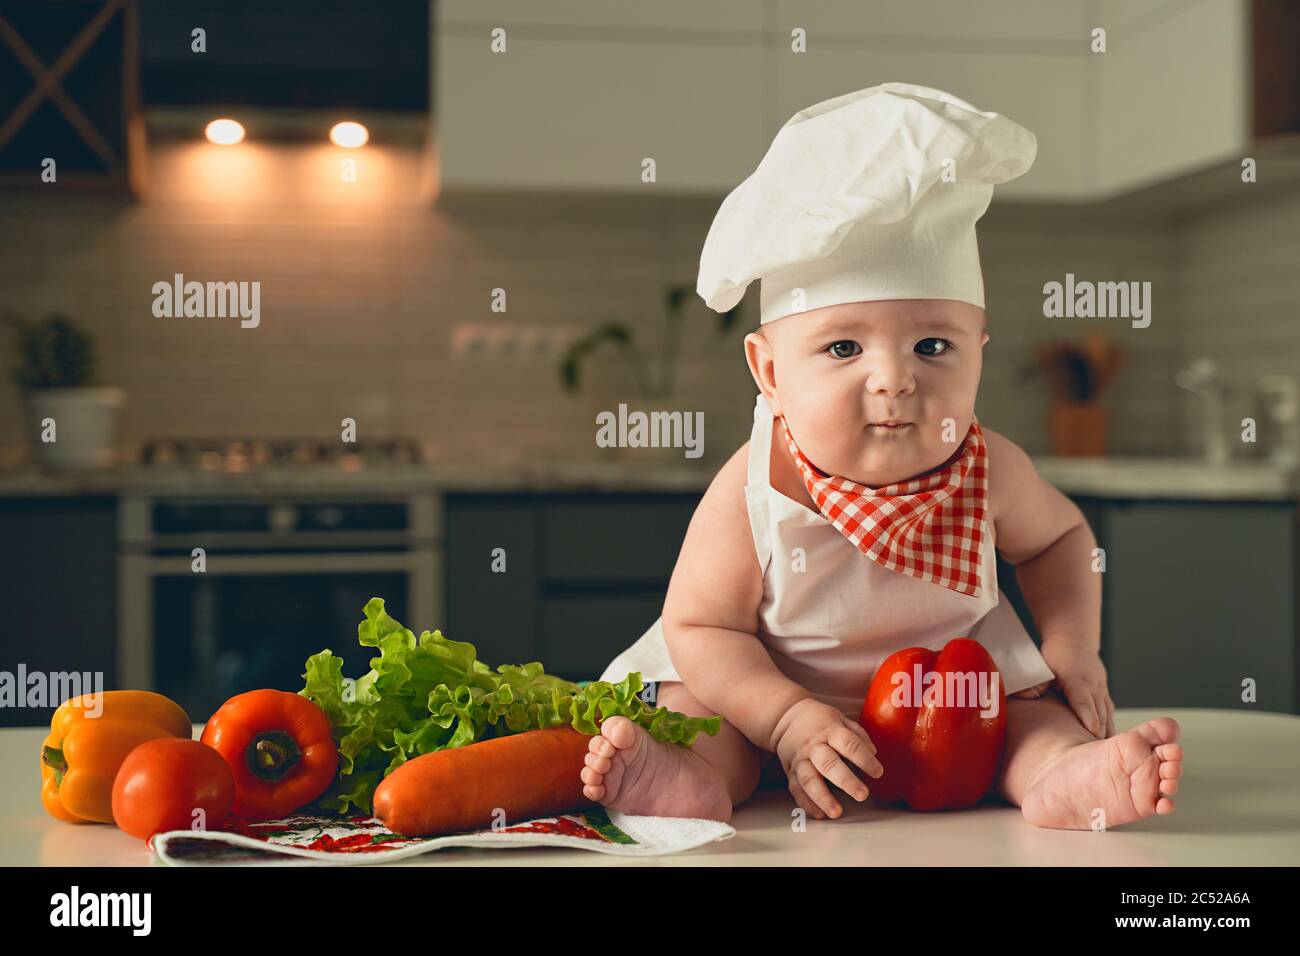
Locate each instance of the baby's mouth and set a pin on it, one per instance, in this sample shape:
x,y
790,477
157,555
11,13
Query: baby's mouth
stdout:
x,y
890,425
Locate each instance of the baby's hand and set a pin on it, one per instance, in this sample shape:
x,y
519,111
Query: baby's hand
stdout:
x,y
1081,677
811,738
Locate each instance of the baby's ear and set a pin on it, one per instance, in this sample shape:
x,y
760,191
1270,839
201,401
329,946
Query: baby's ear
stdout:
x,y
758,355
984,340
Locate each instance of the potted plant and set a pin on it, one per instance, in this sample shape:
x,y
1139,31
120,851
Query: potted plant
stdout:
x,y
72,423
654,378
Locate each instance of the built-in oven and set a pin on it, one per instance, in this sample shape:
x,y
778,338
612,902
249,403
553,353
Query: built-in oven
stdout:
x,y
218,596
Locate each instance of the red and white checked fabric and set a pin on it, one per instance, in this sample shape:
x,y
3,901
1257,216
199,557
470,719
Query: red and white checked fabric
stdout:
x,y
929,527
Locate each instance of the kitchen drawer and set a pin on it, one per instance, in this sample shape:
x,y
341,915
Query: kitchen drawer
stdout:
x,y
627,538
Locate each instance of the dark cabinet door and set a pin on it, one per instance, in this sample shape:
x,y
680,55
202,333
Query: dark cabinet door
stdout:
x,y
585,574
1200,597
495,610
606,563
1094,512
59,580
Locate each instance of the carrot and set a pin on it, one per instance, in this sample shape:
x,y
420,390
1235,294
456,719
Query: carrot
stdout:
x,y
533,774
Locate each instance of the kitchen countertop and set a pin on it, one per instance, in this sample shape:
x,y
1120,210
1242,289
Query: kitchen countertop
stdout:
x,y
380,480
1169,478
1123,478
1236,806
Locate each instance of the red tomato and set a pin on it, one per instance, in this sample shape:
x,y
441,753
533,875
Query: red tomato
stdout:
x,y
163,782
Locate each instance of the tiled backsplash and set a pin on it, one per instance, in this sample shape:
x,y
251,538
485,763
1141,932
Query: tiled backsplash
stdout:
x,y
361,292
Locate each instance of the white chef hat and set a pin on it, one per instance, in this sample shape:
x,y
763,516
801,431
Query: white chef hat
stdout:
x,y
851,203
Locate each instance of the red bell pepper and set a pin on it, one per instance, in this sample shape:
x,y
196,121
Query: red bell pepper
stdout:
x,y
939,745
280,749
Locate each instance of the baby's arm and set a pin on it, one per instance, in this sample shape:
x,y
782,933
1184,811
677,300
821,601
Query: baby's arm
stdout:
x,y
1044,535
711,614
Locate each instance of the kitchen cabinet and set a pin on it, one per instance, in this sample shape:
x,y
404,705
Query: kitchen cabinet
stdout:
x,y
72,95
1198,598
1022,59
1173,92
57,574
586,91
494,610
585,575
1197,595
573,16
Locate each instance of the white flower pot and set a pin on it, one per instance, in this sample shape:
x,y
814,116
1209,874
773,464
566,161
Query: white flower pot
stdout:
x,y
85,425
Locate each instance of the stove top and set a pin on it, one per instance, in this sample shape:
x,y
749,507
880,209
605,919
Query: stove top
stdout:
x,y
231,455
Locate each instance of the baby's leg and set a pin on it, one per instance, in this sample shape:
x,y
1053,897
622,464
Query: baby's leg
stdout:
x,y
1060,775
629,770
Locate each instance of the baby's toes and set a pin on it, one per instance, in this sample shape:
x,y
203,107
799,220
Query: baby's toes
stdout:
x,y
1170,753
1171,768
1166,732
593,784
600,746
619,733
598,762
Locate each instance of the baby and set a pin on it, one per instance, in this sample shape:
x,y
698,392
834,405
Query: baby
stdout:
x,y
861,517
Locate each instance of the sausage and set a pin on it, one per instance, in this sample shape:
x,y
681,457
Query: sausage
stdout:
x,y
533,774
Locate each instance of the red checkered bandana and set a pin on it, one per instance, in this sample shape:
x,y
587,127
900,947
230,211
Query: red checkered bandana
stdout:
x,y
930,527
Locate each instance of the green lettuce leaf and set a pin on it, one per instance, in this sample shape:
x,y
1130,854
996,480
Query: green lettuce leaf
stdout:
x,y
431,693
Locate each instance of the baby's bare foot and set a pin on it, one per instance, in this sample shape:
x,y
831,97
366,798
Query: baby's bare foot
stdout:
x,y
1129,776
629,770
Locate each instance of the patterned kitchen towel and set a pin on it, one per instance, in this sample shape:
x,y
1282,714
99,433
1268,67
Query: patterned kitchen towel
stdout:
x,y
307,840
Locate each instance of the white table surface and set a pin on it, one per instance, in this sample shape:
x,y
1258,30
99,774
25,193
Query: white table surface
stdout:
x,y
1239,804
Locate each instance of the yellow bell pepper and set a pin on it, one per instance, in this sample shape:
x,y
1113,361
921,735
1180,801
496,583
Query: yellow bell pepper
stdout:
x,y
89,738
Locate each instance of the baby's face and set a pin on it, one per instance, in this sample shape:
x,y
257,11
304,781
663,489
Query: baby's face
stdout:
x,y
865,387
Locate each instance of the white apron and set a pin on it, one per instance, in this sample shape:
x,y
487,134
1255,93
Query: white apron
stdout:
x,y
829,626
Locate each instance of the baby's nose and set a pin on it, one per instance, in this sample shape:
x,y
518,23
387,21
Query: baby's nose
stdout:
x,y
890,377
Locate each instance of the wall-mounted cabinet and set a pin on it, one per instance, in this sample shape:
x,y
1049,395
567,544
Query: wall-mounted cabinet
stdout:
x,y
1172,91
559,113
586,91
70,96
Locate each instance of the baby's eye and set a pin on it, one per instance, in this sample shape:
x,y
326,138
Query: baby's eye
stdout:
x,y
932,347
836,349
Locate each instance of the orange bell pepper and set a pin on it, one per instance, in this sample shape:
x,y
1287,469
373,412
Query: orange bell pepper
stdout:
x,y
88,740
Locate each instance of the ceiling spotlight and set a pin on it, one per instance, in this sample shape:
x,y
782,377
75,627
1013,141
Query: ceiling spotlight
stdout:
x,y
224,132
349,135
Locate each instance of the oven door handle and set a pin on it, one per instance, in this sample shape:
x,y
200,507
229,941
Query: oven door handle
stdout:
x,y
272,564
